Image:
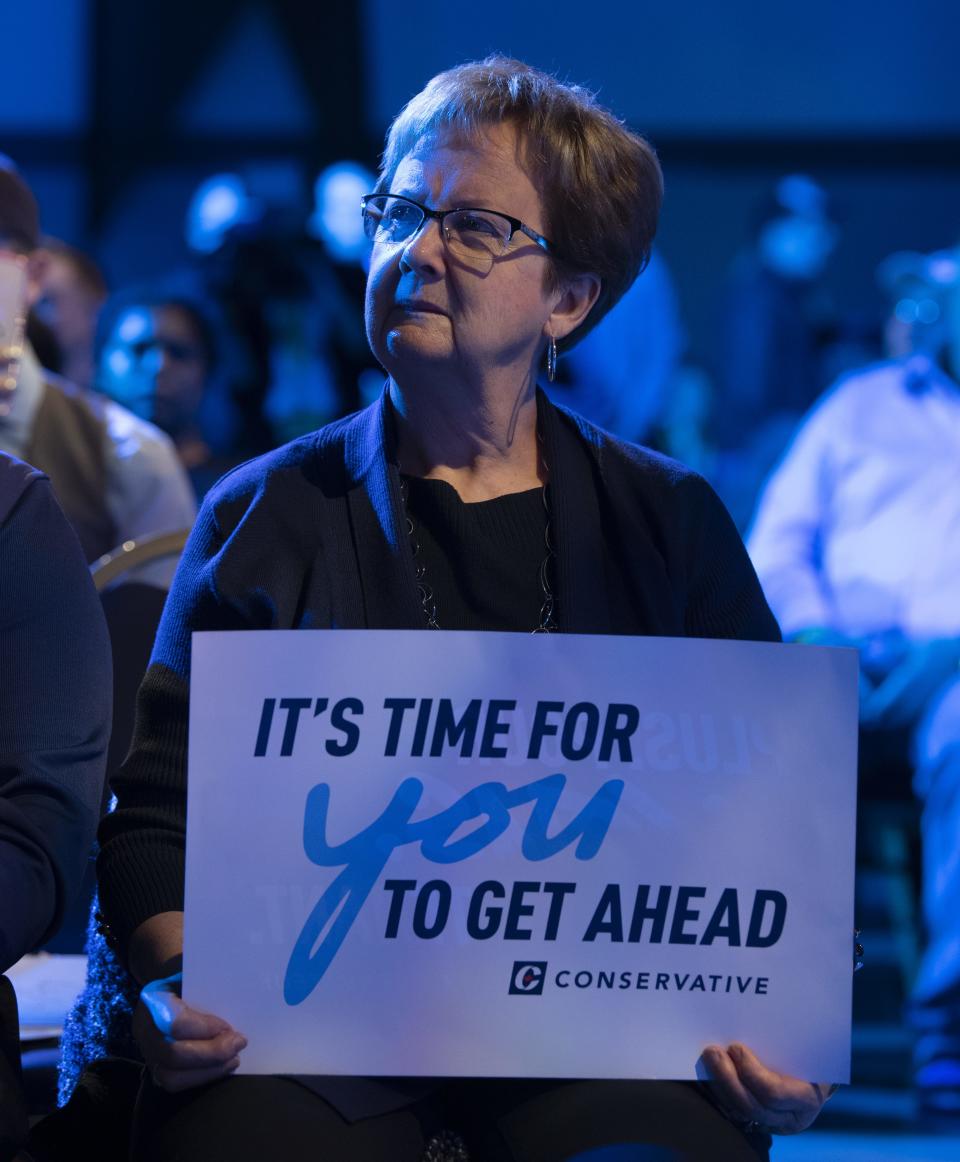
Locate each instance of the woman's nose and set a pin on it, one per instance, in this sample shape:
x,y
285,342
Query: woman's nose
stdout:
x,y
423,250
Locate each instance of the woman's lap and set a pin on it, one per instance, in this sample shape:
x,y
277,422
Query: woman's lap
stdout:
x,y
501,1121
551,1121
247,1118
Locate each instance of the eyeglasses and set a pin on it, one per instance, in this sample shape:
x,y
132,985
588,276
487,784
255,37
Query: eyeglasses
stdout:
x,y
472,234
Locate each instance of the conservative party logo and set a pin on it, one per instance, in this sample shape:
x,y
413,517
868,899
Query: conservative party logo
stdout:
x,y
528,977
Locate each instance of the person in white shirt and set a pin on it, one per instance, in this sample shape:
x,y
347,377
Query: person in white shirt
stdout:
x,y
857,542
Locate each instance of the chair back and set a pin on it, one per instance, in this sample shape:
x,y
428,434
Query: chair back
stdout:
x,y
132,606
13,1106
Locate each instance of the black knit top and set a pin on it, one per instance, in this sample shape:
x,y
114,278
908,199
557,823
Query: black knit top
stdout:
x,y
481,560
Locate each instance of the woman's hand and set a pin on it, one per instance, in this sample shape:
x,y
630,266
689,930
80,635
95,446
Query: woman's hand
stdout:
x,y
182,1047
760,1098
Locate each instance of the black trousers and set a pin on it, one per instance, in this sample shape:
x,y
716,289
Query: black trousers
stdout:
x,y
259,1118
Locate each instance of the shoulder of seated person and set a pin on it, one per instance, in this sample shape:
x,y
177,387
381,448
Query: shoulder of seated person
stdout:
x,y
16,476
866,383
610,448
266,474
310,460
129,432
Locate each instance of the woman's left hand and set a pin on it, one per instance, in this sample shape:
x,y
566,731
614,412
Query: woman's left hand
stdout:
x,y
760,1098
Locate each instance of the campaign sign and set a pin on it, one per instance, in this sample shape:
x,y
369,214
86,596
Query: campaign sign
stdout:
x,y
492,854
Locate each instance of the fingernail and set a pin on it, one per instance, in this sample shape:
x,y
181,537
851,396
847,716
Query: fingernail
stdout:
x,y
238,1044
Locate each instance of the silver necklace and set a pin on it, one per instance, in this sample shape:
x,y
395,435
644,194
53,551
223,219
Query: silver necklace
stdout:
x,y
548,621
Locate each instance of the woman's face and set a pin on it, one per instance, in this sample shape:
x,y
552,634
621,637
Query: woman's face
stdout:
x,y
154,364
428,311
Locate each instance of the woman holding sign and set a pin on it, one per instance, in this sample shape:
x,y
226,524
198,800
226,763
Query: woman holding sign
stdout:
x,y
510,214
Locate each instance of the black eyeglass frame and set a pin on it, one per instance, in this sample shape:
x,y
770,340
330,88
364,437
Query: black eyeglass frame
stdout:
x,y
516,226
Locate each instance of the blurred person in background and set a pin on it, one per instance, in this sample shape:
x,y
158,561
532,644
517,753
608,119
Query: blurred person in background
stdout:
x,y
857,543
220,214
336,195
918,289
273,281
72,291
768,361
334,221
117,478
160,353
619,377
219,205
682,429
55,710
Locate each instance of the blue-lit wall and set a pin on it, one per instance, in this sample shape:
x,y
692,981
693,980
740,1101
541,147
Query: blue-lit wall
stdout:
x,y
746,66
699,67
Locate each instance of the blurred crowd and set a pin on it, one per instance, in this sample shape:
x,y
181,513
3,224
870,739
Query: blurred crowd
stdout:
x,y
256,340
259,337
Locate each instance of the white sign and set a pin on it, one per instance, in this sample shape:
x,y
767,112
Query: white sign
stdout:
x,y
491,854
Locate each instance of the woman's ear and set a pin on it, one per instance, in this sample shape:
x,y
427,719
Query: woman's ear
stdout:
x,y
577,296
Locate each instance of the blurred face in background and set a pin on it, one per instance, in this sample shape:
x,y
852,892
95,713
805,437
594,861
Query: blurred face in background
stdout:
x,y
924,301
67,303
920,324
155,363
797,246
335,219
219,204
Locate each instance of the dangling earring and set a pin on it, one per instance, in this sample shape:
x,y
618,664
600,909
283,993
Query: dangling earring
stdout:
x,y
552,359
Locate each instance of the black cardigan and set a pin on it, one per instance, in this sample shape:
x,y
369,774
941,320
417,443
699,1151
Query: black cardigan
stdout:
x,y
311,536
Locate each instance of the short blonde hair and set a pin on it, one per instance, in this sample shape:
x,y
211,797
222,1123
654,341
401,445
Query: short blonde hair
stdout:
x,y
600,183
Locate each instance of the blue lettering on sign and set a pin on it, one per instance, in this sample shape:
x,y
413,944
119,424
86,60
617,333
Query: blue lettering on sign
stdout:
x,y
364,857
